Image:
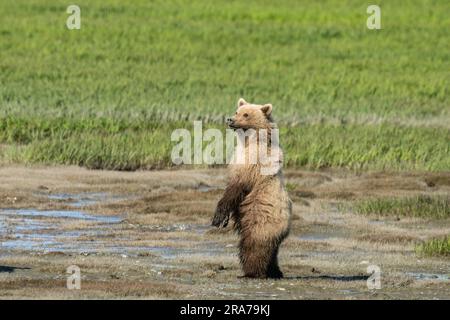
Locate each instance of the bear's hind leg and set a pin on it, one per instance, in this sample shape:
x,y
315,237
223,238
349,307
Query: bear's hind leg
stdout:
x,y
259,259
273,271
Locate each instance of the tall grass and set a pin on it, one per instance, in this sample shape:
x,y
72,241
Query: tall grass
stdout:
x,y
434,247
129,144
423,206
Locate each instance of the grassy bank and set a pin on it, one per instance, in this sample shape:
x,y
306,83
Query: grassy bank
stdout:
x,y
434,247
128,144
424,206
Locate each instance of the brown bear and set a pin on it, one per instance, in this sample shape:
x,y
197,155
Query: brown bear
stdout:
x,y
256,199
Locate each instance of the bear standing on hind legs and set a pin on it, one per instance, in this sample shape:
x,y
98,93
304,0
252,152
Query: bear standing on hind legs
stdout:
x,y
255,196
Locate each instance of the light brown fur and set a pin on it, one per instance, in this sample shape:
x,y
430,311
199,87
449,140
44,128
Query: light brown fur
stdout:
x,y
258,203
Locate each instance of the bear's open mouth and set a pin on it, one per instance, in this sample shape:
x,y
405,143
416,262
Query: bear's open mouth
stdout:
x,y
234,127
237,128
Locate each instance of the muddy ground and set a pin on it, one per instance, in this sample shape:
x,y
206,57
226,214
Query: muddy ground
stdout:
x,y
147,235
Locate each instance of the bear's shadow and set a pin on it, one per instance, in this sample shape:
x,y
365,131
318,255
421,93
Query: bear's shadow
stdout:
x,y
330,277
8,269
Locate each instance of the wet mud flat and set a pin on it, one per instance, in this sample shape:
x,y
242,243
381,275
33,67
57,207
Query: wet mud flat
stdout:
x,y
147,235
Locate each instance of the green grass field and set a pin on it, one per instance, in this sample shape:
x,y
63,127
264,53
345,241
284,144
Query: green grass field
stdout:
x,y
110,94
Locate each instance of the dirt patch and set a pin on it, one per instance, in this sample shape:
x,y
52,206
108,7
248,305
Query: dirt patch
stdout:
x,y
148,235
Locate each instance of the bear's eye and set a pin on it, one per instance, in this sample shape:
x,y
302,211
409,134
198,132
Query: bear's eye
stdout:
x,y
245,115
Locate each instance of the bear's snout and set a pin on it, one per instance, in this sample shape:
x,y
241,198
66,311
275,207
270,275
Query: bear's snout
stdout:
x,y
230,121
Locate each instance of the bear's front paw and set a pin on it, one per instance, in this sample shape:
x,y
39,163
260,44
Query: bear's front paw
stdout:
x,y
221,218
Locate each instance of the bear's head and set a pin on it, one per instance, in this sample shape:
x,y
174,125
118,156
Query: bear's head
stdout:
x,y
251,116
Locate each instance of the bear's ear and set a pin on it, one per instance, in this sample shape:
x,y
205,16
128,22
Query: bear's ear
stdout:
x,y
267,109
241,102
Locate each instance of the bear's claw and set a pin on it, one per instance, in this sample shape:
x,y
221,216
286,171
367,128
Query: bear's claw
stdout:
x,y
220,220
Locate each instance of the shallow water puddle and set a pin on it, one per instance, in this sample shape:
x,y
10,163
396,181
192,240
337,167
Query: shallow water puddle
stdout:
x,y
429,276
321,234
43,230
75,231
315,237
197,228
174,252
59,214
83,199
202,187
46,230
